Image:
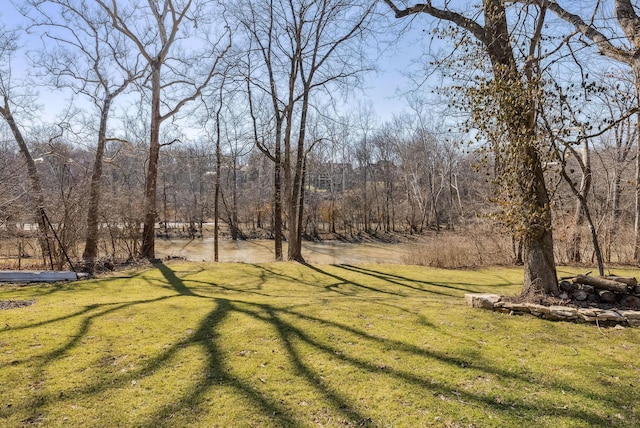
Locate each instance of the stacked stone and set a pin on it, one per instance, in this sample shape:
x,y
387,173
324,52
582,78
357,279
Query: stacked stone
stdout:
x,y
561,313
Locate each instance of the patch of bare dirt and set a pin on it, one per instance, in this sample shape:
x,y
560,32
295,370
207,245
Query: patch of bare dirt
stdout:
x,y
14,304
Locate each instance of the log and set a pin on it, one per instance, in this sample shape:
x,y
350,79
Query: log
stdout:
x,y
593,298
588,288
607,296
567,286
631,302
629,280
602,283
580,295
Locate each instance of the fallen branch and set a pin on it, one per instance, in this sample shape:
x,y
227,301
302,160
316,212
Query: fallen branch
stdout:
x,y
602,283
629,280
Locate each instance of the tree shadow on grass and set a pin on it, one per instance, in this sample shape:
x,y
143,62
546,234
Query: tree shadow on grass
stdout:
x,y
344,281
203,337
289,334
218,374
86,316
296,341
176,283
389,280
404,281
267,274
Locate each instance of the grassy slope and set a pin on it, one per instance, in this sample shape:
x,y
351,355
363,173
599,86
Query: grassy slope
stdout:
x,y
291,345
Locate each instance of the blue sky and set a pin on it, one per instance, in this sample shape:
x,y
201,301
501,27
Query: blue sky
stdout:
x,y
381,88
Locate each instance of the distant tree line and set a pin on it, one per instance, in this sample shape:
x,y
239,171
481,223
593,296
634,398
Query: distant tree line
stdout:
x,y
355,189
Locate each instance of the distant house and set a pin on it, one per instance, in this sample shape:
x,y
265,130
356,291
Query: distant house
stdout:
x,y
330,176
383,167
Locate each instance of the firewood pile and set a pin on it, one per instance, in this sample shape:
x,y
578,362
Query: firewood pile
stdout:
x,y
608,300
603,292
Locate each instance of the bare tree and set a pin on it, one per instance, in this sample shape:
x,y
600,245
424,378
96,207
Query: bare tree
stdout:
x,y
301,47
83,54
272,151
618,145
561,118
12,98
159,31
12,192
582,211
239,143
582,191
607,39
216,200
365,120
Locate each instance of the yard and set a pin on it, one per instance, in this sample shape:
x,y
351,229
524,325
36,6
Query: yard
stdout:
x,y
285,344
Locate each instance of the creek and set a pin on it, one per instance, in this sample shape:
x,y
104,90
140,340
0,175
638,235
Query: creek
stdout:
x,y
261,251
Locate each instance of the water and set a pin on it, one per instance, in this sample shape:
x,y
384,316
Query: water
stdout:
x,y
260,251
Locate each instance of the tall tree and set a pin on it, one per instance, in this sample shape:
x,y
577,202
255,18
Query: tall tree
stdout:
x,y
83,54
12,99
618,145
159,31
509,98
365,120
302,47
619,42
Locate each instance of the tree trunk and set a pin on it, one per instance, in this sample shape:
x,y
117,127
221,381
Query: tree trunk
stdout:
x,y
540,275
91,244
164,207
388,197
216,195
299,257
594,239
539,266
277,202
636,241
516,246
147,250
585,186
365,197
616,212
296,209
37,195
575,243
235,226
296,191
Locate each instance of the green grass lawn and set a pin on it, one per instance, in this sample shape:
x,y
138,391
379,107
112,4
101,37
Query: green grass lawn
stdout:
x,y
283,344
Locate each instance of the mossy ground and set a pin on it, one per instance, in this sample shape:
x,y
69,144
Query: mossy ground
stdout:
x,y
284,344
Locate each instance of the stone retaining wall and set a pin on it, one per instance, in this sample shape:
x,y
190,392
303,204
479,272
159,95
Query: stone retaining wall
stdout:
x,y
560,313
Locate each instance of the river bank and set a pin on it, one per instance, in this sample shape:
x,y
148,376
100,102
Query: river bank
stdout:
x,y
262,250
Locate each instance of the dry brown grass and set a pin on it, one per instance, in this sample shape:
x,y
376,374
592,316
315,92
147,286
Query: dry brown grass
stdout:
x,y
472,247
